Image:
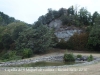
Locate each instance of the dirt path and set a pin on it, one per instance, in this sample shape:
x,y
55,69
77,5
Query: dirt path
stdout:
x,y
93,69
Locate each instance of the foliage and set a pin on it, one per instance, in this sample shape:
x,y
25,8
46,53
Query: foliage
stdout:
x,y
94,38
1,46
10,55
68,57
65,20
71,10
90,58
78,41
94,17
10,33
26,53
51,15
5,19
42,39
62,44
84,17
39,39
25,39
14,28
79,56
18,29
6,41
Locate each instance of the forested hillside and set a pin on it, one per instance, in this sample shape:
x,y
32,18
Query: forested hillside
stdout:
x,y
20,40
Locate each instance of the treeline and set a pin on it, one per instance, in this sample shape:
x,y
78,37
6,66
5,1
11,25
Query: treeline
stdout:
x,y
70,16
5,19
19,40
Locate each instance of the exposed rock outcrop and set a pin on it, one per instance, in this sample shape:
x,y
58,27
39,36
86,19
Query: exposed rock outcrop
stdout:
x,y
63,32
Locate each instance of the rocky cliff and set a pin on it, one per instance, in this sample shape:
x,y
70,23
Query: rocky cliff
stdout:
x,y
63,32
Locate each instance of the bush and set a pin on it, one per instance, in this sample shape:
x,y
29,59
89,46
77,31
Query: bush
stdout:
x,y
79,56
65,20
10,55
62,44
26,53
90,58
68,57
78,41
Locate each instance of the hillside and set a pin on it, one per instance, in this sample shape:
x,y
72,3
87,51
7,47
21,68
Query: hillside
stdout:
x,y
63,28
66,22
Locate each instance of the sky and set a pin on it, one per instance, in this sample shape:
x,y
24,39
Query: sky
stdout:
x,y
30,10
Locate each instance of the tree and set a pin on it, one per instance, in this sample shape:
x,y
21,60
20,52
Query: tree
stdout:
x,y
95,15
7,41
39,39
42,39
61,11
78,41
1,46
42,19
94,38
25,39
96,18
10,28
18,30
71,10
85,16
5,19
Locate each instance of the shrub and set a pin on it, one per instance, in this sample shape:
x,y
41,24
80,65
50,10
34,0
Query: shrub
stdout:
x,y
68,57
79,56
65,20
78,41
62,44
90,58
26,53
10,55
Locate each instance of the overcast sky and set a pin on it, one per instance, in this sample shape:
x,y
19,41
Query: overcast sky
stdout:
x,y
29,10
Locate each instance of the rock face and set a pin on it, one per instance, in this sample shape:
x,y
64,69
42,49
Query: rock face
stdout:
x,y
63,32
55,24
66,33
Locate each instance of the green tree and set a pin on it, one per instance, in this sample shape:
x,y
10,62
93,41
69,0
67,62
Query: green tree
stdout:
x,y
42,39
39,39
95,15
25,40
97,20
85,17
5,19
94,38
71,10
7,41
18,30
